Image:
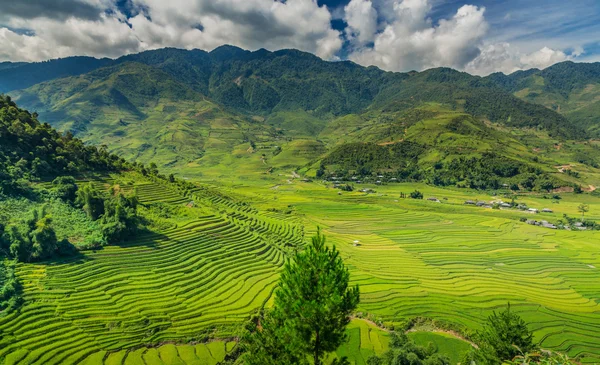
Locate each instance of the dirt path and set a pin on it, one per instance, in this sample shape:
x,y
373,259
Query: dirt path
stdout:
x,y
436,330
448,332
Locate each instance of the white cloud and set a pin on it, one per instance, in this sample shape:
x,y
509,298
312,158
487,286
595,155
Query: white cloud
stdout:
x,y
501,57
361,18
106,36
205,24
543,58
409,40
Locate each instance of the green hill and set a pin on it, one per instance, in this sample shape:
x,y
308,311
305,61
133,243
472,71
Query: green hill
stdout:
x,y
202,113
571,89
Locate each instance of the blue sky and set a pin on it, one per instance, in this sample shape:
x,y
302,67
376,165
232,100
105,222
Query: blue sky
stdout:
x,y
478,36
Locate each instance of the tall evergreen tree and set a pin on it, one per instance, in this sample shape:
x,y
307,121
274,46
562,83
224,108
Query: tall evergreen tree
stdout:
x,y
312,307
504,336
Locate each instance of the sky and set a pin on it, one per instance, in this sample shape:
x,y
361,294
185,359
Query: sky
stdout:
x,y
476,36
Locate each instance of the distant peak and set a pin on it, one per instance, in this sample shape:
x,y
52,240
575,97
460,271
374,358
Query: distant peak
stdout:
x,y
227,48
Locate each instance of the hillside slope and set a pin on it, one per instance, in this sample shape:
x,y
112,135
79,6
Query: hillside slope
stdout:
x,y
571,89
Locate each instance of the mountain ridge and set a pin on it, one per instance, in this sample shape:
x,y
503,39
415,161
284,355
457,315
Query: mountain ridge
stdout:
x,y
203,110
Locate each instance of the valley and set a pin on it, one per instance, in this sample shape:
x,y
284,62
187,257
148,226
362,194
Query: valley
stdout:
x,y
447,195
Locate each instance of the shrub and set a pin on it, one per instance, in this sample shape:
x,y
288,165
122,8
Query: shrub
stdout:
x,y
65,188
416,195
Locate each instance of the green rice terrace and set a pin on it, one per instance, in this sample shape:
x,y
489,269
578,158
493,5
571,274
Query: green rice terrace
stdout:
x,y
178,296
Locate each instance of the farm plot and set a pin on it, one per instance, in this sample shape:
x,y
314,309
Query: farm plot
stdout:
x,y
196,281
461,265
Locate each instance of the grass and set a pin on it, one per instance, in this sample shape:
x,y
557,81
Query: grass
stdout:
x,y
445,344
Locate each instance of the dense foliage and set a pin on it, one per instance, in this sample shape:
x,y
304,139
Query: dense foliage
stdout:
x,y
312,307
400,162
367,158
33,239
404,351
30,151
264,82
10,287
504,337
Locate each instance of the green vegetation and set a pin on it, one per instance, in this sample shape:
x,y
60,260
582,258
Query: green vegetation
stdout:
x,y
312,306
30,151
405,351
199,114
10,288
445,344
572,89
504,337
33,239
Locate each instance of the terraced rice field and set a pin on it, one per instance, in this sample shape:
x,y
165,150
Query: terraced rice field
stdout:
x,y
191,282
458,264
157,299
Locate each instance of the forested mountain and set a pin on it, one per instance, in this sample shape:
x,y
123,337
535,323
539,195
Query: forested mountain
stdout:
x,y
30,150
264,83
199,109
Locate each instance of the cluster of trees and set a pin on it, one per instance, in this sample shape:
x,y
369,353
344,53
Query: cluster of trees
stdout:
x,y
30,151
10,287
491,171
504,337
33,239
116,211
312,307
404,351
368,158
400,161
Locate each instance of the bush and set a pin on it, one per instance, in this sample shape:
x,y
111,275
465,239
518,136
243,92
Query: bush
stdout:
x,y
65,188
416,195
404,351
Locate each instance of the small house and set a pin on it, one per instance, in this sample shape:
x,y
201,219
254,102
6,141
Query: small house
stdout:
x,y
470,202
546,210
505,205
434,199
480,204
533,210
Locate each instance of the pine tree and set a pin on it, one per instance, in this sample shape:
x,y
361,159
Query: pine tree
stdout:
x,y
504,336
312,308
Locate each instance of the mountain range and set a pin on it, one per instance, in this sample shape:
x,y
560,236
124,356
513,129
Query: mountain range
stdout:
x,y
207,112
